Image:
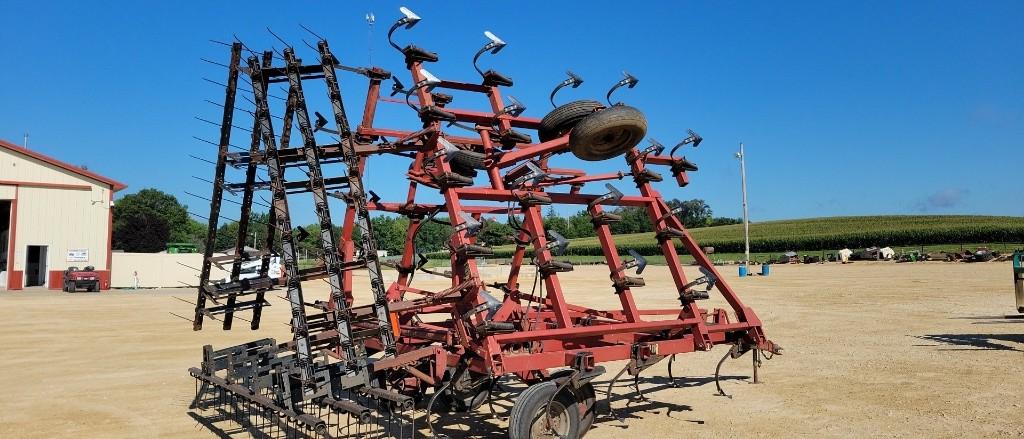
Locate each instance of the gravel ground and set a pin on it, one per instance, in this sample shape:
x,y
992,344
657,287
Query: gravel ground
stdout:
x,y
872,350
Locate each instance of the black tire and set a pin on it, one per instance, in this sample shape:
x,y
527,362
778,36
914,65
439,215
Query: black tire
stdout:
x,y
70,288
527,420
562,119
608,133
588,406
466,162
467,159
586,398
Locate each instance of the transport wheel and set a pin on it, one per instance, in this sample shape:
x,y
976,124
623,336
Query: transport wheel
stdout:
x,y
467,159
69,288
562,119
586,399
608,133
466,163
528,419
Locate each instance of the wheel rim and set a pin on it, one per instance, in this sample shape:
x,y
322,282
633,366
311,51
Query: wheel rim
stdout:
x,y
559,426
612,142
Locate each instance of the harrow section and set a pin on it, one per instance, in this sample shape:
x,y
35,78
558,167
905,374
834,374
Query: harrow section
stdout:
x,y
353,369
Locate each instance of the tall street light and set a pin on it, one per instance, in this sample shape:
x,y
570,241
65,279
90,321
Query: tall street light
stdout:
x,y
746,218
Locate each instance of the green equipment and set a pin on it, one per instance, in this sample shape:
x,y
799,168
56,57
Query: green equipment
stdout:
x,y
182,247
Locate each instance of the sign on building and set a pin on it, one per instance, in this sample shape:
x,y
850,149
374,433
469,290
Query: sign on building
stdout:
x,y
78,255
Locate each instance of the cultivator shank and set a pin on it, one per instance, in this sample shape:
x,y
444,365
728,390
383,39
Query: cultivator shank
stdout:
x,y
374,364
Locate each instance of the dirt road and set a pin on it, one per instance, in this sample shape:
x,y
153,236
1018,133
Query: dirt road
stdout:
x,y
872,350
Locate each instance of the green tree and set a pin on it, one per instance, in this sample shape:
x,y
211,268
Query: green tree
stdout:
x,y
141,232
390,231
309,247
196,233
695,213
495,233
580,225
151,207
724,221
552,221
255,237
433,236
634,220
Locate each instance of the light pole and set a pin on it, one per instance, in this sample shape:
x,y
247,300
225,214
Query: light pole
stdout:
x,y
746,218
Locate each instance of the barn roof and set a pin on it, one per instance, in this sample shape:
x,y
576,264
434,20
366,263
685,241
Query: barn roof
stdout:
x,y
114,184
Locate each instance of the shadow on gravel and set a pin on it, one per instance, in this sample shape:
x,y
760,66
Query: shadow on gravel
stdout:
x,y
226,421
976,342
989,320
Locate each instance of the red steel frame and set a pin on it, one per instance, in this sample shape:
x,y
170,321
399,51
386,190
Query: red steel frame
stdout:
x,y
551,333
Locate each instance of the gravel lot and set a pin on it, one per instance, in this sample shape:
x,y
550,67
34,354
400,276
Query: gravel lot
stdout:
x,y
872,350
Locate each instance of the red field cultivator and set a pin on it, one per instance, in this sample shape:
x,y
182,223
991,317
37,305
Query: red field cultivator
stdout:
x,y
388,367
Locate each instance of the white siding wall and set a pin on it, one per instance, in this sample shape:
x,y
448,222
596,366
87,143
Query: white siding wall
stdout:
x,y
17,167
63,219
60,218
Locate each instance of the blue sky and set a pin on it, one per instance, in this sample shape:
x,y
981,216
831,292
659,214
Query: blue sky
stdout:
x,y
846,108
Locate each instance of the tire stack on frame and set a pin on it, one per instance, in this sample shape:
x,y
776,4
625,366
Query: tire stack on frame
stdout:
x,y
388,367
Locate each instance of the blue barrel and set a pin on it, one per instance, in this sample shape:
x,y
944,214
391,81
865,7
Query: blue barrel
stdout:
x,y
765,269
743,270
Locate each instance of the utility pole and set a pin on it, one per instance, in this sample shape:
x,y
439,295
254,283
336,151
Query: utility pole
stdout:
x,y
746,218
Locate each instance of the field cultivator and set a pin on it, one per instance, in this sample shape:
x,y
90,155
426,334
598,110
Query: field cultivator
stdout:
x,y
388,367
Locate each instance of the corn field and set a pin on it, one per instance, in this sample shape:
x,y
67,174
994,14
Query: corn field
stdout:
x,y
831,233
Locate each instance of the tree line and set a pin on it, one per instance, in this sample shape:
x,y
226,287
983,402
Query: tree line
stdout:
x,y
148,220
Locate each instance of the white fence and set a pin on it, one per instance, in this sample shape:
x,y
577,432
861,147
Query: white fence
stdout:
x,y
159,270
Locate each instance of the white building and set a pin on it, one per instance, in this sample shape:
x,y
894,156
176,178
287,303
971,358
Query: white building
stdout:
x,y
52,215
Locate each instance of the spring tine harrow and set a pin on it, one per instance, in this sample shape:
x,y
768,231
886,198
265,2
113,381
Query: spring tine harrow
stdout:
x,y
352,370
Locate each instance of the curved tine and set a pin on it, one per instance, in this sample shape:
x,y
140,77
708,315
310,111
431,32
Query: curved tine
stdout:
x,y
671,377
490,399
430,407
457,375
718,372
639,393
311,32
608,393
